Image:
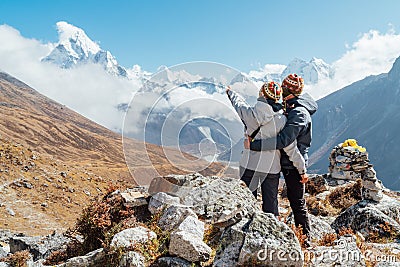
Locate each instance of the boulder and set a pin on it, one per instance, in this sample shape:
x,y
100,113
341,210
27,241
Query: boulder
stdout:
x,y
132,259
187,241
131,236
370,217
318,227
270,241
160,201
215,200
134,197
173,262
370,194
222,201
372,184
344,253
260,241
173,216
231,243
171,184
40,247
94,258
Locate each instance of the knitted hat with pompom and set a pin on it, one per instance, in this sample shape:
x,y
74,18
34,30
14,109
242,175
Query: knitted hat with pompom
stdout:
x,y
292,84
271,90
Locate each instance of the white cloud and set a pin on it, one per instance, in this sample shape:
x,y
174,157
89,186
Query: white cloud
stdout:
x,y
95,94
86,89
374,53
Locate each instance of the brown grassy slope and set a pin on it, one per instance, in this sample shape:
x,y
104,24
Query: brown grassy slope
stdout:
x,y
64,141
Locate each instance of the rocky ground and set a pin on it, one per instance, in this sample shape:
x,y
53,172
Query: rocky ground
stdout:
x,y
195,220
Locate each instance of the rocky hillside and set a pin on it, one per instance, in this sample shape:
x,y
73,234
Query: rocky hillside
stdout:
x,y
53,160
195,220
368,111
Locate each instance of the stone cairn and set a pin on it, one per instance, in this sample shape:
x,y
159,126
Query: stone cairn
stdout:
x,y
348,161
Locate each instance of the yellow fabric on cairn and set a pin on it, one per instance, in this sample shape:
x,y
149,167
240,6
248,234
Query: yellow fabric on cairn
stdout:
x,y
353,143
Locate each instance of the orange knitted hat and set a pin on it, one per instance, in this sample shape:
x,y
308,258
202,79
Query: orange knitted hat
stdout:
x,y
271,90
294,84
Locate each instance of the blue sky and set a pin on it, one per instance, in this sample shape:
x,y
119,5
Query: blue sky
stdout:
x,y
242,34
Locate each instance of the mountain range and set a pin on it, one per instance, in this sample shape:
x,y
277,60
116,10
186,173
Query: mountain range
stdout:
x,y
342,115
75,48
368,111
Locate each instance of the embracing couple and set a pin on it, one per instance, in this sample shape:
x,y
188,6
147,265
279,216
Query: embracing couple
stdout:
x,y
278,137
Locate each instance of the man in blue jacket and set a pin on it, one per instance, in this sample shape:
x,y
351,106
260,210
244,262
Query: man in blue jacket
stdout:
x,y
299,108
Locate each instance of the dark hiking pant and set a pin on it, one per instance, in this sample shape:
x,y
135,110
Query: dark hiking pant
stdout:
x,y
295,193
269,188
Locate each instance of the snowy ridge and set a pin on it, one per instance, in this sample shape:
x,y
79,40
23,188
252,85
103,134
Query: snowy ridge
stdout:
x,y
75,47
75,39
313,71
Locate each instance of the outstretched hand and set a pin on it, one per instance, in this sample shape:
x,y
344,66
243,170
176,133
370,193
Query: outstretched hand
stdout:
x,y
304,178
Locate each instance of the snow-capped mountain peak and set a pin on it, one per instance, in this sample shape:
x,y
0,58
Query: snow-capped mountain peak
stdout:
x,y
313,71
75,48
75,39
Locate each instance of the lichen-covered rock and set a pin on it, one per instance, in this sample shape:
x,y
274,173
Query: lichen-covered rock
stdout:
x,y
88,260
39,246
370,194
318,227
344,253
160,201
132,259
215,200
260,241
222,201
373,184
187,241
176,185
269,241
93,258
173,216
173,262
231,243
134,197
369,217
131,236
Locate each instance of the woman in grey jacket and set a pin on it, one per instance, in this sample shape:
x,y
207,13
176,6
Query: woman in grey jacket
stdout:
x,y
265,119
